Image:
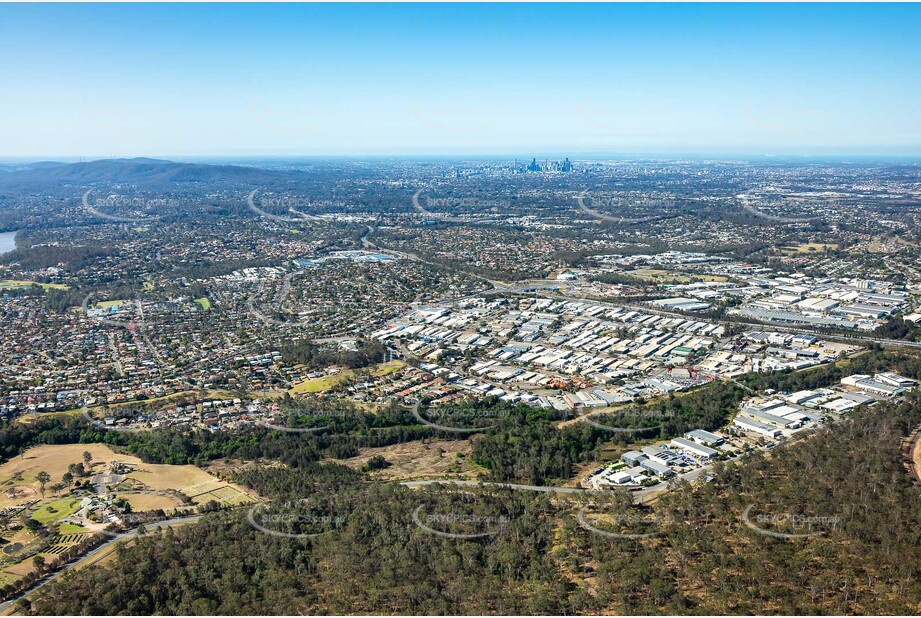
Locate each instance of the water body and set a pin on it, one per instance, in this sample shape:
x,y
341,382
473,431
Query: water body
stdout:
x,y
7,242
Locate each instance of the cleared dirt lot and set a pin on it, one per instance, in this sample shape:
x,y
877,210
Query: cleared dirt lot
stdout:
x,y
420,461
149,502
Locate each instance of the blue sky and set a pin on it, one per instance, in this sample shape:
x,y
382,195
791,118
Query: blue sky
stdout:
x,y
514,79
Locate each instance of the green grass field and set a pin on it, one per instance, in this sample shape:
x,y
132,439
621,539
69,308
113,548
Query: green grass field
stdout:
x,y
318,385
105,304
809,247
56,510
326,383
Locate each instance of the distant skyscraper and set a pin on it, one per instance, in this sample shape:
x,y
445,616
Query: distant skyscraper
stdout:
x,y
550,166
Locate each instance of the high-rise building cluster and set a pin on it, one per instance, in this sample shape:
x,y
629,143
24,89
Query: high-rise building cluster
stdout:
x,y
547,166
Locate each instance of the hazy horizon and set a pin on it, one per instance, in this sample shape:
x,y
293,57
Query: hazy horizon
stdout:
x,y
473,157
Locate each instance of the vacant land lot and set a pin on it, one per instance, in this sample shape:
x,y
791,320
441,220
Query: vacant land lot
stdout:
x,y
149,502
659,276
194,482
420,461
318,385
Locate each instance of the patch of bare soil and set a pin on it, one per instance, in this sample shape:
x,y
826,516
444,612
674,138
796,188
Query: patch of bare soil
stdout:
x,y
420,460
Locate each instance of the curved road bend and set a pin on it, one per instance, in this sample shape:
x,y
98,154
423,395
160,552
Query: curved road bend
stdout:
x,y
543,488
637,496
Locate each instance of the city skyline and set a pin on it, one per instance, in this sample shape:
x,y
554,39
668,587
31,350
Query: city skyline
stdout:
x,y
443,309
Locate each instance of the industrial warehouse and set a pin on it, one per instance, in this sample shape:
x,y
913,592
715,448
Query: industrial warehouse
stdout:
x,y
761,423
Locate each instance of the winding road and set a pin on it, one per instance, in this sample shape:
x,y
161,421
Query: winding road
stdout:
x,y
47,579
515,486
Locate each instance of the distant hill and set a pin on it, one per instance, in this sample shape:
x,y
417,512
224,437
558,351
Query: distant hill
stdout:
x,y
140,171
6,167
